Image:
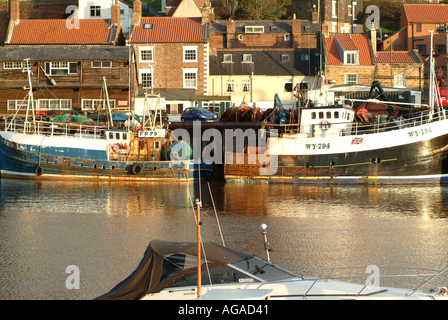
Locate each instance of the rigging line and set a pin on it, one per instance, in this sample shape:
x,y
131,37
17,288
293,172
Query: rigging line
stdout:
x,y
216,214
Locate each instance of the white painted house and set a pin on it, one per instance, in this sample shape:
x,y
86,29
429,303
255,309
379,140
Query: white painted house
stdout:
x,y
101,9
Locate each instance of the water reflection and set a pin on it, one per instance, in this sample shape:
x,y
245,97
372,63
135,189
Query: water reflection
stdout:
x,y
104,228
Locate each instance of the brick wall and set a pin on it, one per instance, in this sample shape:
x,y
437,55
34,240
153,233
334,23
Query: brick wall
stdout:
x,y
440,38
413,74
337,73
169,65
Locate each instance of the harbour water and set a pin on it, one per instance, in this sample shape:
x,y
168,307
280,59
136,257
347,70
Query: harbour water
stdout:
x,y
103,228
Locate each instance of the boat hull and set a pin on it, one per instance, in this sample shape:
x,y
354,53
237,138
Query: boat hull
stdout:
x,y
21,158
400,157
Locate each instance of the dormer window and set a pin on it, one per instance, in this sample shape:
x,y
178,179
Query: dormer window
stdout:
x,y
227,57
351,57
254,29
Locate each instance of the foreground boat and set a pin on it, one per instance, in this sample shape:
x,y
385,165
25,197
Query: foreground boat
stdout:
x,y
168,271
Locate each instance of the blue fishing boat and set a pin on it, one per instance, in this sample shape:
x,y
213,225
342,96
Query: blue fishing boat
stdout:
x,y
64,150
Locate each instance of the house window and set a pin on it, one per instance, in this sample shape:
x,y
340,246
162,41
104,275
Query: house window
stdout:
x,y
247,58
351,57
287,37
55,104
101,64
122,11
419,27
421,48
240,37
190,54
190,78
333,9
350,13
146,78
227,57
304,57
16,65
287,86
96,104
440,48
307,28
254,29
61,68
441,27
95,11
351,78
20,104
146,54
245,86
230,86
285,57
399,80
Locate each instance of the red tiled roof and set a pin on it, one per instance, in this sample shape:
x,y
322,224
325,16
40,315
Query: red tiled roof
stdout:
x,y
168,29
55,31
346,41
429,13
358,42
397,57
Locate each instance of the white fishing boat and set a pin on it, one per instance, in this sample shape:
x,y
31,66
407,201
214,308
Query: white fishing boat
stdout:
x,y
379,142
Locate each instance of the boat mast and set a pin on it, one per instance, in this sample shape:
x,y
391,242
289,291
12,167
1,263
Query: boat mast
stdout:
x,y
30,94
111,122
198,204
431,79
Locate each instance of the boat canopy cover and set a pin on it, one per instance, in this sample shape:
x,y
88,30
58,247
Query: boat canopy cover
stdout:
x,y
165,262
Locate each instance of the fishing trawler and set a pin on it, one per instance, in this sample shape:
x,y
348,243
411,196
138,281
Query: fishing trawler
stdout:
x,y
54,150
379,142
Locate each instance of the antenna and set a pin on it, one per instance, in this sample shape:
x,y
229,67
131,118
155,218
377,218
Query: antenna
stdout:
x,y
264,227
198,203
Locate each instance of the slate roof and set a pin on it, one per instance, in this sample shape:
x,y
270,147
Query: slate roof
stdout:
x,y
359,42
58,53
397,57
169,29
426,13
55,31
265,62
270,26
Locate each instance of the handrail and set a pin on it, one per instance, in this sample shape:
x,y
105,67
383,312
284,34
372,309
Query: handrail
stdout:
x,y
377,126
430,273
55,129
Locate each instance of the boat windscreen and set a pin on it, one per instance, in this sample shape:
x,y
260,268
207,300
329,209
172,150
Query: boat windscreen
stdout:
x,y
263,269
218,275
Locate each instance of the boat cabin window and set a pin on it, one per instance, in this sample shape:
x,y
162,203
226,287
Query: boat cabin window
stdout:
x,y
313,115
263,270
321,115
336,114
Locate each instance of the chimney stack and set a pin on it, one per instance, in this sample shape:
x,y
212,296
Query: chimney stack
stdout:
x,y
315,15
115,16
296,32
324,29
137,15
373,38
14,10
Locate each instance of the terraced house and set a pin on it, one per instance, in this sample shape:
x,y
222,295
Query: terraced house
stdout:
x,y
171,58
70,63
